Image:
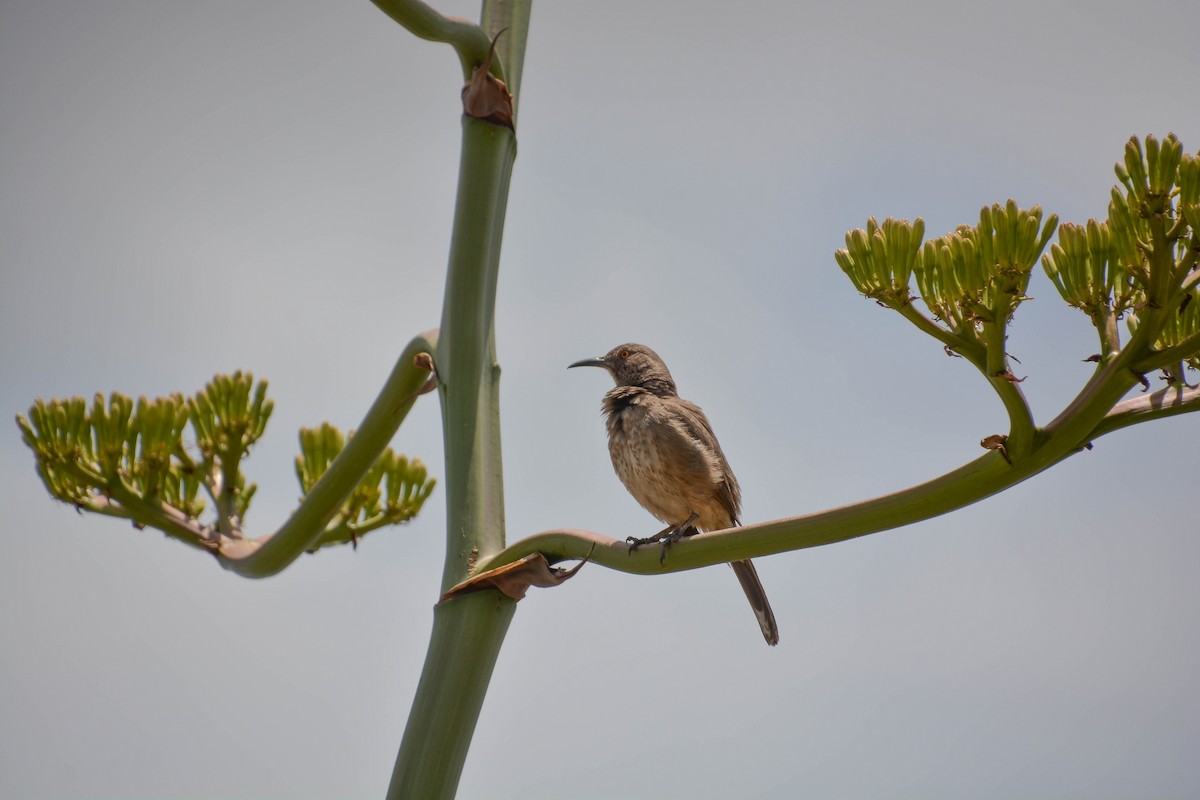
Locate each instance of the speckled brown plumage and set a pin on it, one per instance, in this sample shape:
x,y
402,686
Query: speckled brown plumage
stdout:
x,y
666,454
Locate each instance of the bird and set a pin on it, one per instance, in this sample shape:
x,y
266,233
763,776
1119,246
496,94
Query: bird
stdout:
x,y
664,451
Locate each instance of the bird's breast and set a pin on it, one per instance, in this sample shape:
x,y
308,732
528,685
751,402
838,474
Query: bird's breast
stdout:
x,y
668,474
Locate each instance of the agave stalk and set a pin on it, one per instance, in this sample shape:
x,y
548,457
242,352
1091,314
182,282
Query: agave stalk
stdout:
x,y
468,630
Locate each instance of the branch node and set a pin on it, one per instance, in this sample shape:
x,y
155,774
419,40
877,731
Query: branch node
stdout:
x,y
485,96
1008,376
425,361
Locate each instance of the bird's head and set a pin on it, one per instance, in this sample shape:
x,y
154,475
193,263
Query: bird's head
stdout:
x,y
634,365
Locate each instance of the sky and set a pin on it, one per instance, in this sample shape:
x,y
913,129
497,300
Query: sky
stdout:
x,y
192,188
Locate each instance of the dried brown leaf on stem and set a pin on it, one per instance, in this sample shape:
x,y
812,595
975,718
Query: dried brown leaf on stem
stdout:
x,y
514,579
996,441
425,361
485,96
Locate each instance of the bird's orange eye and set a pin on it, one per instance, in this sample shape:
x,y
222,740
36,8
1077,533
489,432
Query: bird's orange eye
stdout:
x,y
624,354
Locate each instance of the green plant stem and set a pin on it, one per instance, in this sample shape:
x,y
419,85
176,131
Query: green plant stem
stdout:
x,y
967,484
995,331
1187,348
1164,403
958,344
259,558
1105,322
1021,427
148,513
468,39
225,500
467,634
1161,296
512,18
994,335
466,358
468,631
1185,265
1021,430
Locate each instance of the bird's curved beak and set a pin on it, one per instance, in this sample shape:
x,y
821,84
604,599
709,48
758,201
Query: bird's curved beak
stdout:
x,y
589,362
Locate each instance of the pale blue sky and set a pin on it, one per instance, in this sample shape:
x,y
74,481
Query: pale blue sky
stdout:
x,y
188,188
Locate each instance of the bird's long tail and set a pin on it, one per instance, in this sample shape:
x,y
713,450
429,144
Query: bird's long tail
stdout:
x,y
747,575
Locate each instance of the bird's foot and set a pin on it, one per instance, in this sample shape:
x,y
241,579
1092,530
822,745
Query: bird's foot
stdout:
x,y
634,542
673,536
666,537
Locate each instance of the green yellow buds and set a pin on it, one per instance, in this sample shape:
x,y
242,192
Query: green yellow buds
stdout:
x,y
88,458
391,492
1141,263
880,259
1180,329
1188,201
968,277
1153,217
131,460
1083,267
1149,176
230,414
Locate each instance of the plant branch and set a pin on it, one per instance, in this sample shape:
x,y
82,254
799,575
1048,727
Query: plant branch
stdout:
x,y
1187,348
260,558
1105,322
1020,417
1164,403
970,483
165,518
468,39
953,342
1021,427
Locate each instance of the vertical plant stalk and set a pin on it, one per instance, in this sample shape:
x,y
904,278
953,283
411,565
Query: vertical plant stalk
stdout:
x,y
512,17
466,353
464,645
468,630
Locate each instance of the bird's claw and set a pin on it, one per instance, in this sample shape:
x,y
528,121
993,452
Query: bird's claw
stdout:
x,y
672,537
634,542
665,538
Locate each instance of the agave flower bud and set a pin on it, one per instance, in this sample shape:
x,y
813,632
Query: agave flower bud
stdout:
x,y
880,259
1163,164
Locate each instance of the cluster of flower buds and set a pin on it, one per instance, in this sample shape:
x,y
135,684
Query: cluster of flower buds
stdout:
x,y
1140,264
391,492
228,416
979,274
101,458
127,459
880,259
972,276
1084,268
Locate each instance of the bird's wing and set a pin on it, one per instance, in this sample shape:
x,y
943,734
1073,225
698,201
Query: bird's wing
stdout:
x,y
697,426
